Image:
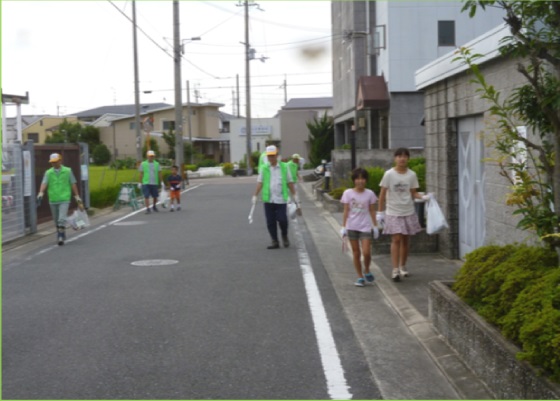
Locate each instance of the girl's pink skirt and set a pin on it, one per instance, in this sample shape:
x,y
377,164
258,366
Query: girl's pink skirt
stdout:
x,y
406,225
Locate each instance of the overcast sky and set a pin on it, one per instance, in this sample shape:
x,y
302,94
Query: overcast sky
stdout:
x,y
76,55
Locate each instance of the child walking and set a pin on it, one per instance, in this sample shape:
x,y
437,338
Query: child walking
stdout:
x,y
174,181
359,214
396,205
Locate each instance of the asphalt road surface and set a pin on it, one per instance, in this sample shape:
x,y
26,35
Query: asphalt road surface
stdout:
x,y
183,305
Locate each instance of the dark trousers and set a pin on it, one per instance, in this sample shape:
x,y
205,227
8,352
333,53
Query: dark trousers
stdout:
x,y
276,214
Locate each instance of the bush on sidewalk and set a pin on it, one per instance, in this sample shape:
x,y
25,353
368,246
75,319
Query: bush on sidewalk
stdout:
x,y
517,289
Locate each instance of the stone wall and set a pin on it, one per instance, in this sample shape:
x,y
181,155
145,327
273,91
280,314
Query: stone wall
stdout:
x,y
484,350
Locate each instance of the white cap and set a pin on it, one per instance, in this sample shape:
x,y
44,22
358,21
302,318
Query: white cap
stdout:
x,y
151,153
271,150
55,157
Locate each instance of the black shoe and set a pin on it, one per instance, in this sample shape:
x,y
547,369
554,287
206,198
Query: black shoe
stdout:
x,y
275,245
286,242
155,209
148,211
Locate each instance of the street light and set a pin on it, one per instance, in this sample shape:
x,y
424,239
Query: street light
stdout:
x,y
188,40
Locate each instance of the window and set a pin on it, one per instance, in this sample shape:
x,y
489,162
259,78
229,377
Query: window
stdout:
x,y
132,126
446,33
168,125
33,137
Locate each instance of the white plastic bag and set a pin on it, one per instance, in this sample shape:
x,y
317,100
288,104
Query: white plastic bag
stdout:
x,y
435,220
164,197
292,210
78,220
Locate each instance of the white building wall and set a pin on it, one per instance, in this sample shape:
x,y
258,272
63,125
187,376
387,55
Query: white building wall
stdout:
x,y
412,35
263,129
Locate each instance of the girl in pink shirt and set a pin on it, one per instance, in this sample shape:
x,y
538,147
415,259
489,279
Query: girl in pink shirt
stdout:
x,y
359,214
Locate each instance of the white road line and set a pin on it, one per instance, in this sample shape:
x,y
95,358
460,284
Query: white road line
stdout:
x,y
334,373
93,230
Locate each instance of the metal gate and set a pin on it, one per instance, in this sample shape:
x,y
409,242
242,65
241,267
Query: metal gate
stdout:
x,y
472,209
13,217
23,167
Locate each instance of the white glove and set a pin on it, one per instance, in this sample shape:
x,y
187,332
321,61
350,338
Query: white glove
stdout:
x,y
254,199
78,199
40,196
375,232
427,197
380,217
343,232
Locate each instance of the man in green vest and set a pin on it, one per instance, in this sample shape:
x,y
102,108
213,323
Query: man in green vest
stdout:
x,y
59,182
150,177
294,167
276,183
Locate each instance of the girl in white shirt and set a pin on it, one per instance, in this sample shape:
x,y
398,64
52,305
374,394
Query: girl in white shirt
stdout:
x,y
357,219
398,191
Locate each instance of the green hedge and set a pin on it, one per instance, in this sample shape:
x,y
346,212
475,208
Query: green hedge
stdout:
x,y
517,289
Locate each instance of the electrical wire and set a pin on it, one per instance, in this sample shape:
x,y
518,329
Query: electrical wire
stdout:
x,y
140,29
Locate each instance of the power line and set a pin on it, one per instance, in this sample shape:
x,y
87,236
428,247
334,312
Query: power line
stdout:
x,y
141,30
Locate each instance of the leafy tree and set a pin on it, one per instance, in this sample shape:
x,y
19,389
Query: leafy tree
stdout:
x,y
101,154
169,139
321,138
74,132
153,146
535,178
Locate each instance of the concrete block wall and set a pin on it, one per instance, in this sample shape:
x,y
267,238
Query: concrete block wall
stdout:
x,y
445,103
484,350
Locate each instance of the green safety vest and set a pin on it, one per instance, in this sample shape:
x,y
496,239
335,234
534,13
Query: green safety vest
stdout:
x,y
266,181
146,172
263,160
294,167
59,186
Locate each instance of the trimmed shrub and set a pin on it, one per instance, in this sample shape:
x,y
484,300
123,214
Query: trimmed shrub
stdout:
x,y
337,192
227,168
375,175
104,197
101,154
517,289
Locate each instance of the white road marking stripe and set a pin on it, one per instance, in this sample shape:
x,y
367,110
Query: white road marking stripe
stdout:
x,y
336,382
91,231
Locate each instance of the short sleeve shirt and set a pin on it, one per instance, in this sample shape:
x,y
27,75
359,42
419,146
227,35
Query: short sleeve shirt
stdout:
x,y
276,183
151,173
399,199
72,177
359,218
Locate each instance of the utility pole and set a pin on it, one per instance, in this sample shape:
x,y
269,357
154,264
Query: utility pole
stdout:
x,y
136,89
178,92
248,90
189,122
237,108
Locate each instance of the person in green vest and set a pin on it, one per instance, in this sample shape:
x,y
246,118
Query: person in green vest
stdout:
x,y
276,183
60,183
294,167
263,160
150,177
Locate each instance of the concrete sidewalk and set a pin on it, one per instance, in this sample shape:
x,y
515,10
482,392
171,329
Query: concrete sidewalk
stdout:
x,y
410,299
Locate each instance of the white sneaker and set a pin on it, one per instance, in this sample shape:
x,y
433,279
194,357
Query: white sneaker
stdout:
x,y
396,275
403,271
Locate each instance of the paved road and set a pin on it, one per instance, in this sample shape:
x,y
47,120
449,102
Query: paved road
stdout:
x,y
228,319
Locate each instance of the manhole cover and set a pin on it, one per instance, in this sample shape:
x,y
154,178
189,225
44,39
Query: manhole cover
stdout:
x,y
155,262
129,223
